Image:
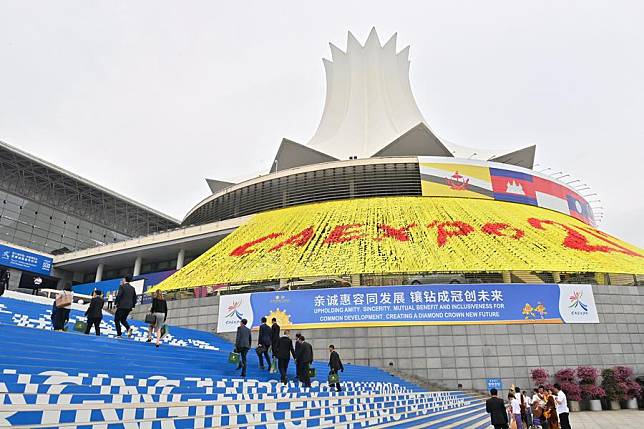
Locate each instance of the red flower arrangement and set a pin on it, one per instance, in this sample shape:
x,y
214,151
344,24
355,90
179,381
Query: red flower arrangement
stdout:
x,y
539,376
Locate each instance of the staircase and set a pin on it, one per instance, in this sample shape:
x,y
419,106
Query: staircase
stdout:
x,y
69,380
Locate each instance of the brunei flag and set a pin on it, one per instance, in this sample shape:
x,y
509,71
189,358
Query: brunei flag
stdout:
x,y
456,180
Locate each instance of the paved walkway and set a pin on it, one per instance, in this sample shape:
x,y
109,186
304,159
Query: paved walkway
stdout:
x,y
631,419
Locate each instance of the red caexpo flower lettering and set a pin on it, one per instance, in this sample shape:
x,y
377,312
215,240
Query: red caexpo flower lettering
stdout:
x,y
246,248
499,229
578,241
577,237
344,233
450,229
399,234
298,240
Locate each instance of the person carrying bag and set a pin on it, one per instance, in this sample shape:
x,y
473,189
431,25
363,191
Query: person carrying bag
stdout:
x,y
64,299
336,365
63,303
157,317
94,313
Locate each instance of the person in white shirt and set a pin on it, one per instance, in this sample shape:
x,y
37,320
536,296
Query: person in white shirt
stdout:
x,y
562,406
528,408
515,409
538,404
537,397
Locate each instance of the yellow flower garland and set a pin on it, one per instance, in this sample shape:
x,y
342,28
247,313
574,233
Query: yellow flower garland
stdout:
x,y
406,235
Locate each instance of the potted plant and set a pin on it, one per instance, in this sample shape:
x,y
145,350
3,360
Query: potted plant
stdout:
x,y
591,394
567,379
640,401
539,376
612,388
634,392
630,389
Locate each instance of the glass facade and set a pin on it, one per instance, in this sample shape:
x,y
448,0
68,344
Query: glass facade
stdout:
x,y
39,227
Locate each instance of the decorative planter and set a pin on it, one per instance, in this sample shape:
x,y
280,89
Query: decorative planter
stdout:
x,y
574,406
614,405
595,405
631,404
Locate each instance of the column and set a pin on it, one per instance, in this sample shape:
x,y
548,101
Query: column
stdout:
x,y
283,283
507,277
556,275
600,278
181,257
99,272
137,266
355,280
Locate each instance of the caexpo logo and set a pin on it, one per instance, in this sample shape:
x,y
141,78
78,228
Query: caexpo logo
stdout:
x,y
233,310
577,306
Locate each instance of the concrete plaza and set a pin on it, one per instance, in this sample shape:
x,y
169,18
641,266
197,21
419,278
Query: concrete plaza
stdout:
x,y
631,419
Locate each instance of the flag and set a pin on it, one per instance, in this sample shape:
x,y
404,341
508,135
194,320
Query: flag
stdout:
x,y
579,207
456,180
550,195
513,186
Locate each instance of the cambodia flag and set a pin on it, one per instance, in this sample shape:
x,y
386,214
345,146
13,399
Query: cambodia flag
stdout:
x,y
513,186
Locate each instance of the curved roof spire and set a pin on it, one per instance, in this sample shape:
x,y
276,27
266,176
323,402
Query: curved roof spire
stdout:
x,y
369,102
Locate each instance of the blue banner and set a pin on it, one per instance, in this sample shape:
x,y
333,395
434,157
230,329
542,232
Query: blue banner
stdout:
x,y
24,260
494,383
412,305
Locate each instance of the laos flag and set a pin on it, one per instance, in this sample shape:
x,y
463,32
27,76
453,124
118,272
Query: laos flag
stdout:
x,y
579,208
513,186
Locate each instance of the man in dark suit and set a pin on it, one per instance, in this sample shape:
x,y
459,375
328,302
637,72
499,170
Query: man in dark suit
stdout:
x,y
283,352
125,301
496,408
335,364
4,280
242,344
275,334
297,350
305,359
264,341
94,312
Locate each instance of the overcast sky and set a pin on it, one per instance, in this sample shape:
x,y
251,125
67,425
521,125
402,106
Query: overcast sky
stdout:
x,y
149,98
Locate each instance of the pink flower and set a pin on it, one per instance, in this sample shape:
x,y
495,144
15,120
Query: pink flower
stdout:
x,y
539,375
587,374
623,373
566,374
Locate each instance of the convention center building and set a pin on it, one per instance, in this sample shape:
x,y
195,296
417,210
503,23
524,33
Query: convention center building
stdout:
x,y
452,263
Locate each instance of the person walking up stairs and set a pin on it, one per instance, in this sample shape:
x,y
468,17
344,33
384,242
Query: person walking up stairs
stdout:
x,y
125,302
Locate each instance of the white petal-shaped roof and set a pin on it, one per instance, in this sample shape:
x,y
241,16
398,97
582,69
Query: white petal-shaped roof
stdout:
x,y
369,102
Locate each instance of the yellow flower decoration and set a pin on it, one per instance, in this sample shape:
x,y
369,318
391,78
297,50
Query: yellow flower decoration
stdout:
x,y
406,235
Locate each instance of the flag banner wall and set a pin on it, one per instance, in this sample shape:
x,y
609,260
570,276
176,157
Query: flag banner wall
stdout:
x,y
446,304
502,182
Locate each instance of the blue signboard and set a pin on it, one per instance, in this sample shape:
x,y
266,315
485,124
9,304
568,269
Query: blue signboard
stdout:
x,y
25,260
494,383
413,305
